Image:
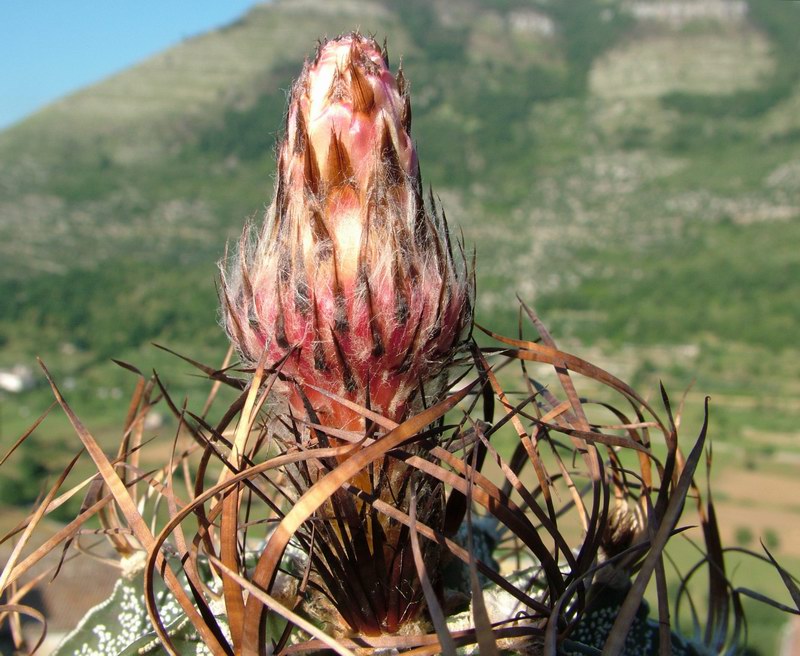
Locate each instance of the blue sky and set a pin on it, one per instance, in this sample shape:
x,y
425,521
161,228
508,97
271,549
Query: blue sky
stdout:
x,y
49,48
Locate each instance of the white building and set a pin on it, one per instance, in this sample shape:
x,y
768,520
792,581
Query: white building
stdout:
x,y
17,379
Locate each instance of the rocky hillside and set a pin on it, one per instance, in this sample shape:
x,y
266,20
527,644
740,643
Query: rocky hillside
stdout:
x,y
631,167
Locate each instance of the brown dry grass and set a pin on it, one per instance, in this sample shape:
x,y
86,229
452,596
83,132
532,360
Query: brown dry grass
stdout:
x,y
566,484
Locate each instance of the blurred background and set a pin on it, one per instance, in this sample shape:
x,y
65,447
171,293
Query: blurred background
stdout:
x,y
631,168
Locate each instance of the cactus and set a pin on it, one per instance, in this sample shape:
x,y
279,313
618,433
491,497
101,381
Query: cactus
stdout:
x,y
352,280
336,504
353,291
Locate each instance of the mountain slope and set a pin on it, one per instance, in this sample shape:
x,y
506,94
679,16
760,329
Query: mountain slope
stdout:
x,y
630,167
633,168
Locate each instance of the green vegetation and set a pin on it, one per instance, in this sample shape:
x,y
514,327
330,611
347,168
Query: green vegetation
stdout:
x,y
779,21
650,220
628,217
171,307
588,28
700,283
744,536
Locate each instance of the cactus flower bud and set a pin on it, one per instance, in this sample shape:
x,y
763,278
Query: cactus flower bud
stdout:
x,y
352,278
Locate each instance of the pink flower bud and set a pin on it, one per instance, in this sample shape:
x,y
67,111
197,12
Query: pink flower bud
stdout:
x,y
351,275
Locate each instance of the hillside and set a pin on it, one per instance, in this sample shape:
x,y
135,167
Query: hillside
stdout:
x,y
576,146
631,168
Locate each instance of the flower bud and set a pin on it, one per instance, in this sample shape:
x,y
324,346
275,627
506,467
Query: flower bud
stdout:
x,y
352,278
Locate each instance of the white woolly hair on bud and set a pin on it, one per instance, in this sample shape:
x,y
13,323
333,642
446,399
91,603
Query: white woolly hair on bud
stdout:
x,y
352,273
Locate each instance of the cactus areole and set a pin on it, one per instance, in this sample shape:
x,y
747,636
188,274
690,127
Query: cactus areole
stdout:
x,y
352,278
